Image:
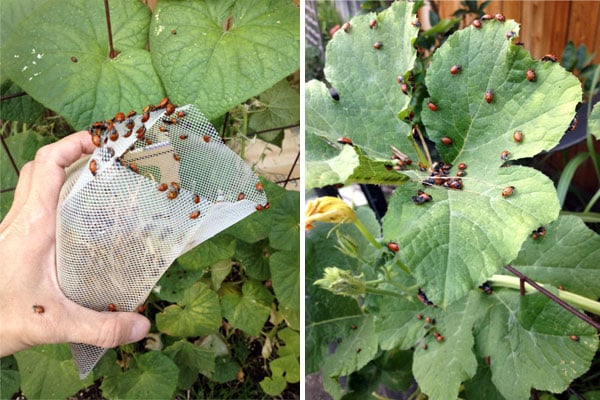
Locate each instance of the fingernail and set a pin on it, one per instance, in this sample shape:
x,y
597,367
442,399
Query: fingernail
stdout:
x,y
139,330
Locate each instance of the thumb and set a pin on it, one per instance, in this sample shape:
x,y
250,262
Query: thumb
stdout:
x,y
104,329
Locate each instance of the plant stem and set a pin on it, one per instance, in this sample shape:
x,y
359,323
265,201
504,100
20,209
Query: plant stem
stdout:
x,y
580,301
585,216
383,292
111,53
365,232
592,201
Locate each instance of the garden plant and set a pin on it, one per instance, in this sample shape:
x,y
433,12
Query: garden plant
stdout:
x,y
225,316
475,285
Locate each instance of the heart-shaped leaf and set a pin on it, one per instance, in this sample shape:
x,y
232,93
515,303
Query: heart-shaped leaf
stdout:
x,y
218,54
281,108
458,240
67,67
197,314
191,359
250,311
365,79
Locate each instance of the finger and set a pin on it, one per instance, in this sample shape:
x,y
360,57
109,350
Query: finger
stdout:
x,y
104,329
50,162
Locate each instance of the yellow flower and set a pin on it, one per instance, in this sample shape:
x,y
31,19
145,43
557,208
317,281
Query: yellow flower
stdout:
x,y
328,209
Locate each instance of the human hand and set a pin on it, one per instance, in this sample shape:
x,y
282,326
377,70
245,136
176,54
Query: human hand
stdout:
x,y
28,265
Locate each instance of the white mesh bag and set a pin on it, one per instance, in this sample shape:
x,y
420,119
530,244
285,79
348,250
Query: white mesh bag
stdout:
x,y
159,184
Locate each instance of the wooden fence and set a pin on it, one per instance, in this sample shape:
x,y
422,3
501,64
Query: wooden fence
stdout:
x,y
546,26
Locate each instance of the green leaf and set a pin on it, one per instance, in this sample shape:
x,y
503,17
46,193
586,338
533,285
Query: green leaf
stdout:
x,y
196,314
528,341
273,386
151,376
218,54
396,324
366,81
566,256
454,353
250,311
568,58
21,108
287,367
285,272
567,175
22,146
281,108
226,369
457,241
395,369
285,228
594,122
66,66
255,259
190,359
10,380
292,342
481,386
220,247
173,284
219,271
48,372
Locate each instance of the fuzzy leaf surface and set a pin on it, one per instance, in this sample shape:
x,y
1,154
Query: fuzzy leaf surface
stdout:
x,y
66,66
528,340
366,81
458,240
566,256
218,54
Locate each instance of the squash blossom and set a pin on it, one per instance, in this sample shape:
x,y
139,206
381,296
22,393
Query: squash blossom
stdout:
x,y
342,282
328,209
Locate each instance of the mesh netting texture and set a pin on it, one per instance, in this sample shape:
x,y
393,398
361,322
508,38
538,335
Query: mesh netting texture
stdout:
x,y
157,185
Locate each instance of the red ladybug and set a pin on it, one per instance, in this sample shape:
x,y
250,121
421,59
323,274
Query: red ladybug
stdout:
x,y
259,187
530,75
345,140
93,167
38,309
575,338
377,45
455,69
489,96
462,166
446,140
196,199
145,116
195,214
241,196
487,17
163,103
112,307
477,23
373,23
169,109
162,187
432,106
508,191
518,136
505,155
120,117
393,246
550,58
499,17
346,27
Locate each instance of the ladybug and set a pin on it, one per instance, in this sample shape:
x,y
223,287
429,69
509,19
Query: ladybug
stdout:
x,y
461,173
419,316
404,88
260,207
455,69
510,35
550,58
345,140
241,196
430,320
346,27
176,157
97,140
162,187
425,346
462,165
487,17
93,167
181,114
172,194
508,191
489,96
112,307
130,124
134,168
38,309
267,205
573,124
476,23
505,155
499,17
182,136
119,117
446,140
169,109
439,338
432,106
486,288
163,103
128,133
195,214
334,94
145,116
131,114
175,186
141,132
163,129
353,327
196,199
416,23
393,246
377,45
373,23
206,138
141,308
74,59
358,350
423,298
530,75
541,231
114,135
173,31
575,338
518,136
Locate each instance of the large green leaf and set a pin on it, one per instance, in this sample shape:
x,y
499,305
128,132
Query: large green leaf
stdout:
x,y
198,313
218,54
152,375
10,380
285,228
48,372
567,255
528,341
191,359
66,66
366,81
285,272
20,108
250,311
458,240
281,108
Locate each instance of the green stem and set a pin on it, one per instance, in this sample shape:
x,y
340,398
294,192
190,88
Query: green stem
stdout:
x,y
383,292
376,281
365,232
593,201
582,302
591,217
